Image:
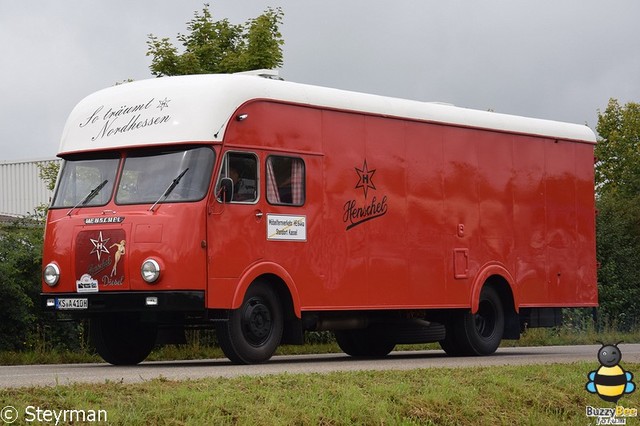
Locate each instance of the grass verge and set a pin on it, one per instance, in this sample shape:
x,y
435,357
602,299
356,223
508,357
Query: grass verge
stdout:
x,y
197,350
522,395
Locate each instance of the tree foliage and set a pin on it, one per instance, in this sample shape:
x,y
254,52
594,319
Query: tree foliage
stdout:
x,y
20,256
219,46
618,252
618,203
23,323
618,149
48,172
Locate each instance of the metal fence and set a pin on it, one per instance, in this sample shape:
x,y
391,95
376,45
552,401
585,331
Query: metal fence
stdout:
x,y
21,188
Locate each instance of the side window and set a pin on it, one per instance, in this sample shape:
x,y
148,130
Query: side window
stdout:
x,y
285,180
241,170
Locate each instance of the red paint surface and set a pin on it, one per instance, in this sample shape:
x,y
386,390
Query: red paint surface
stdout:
x,y
445,207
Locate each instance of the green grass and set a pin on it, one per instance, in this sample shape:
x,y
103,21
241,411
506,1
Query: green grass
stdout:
x,y
509,395
568,336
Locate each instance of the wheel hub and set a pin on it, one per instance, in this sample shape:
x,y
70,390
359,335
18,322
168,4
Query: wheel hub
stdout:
x,y
256,322
485,319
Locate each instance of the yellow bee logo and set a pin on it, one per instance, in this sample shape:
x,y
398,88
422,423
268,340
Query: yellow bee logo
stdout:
x,y
610,381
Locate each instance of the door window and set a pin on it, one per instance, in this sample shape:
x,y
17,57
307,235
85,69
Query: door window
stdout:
x,y
285,180
238,181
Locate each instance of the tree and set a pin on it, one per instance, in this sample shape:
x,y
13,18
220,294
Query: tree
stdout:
x,y
618,252
23,324
219,46
48,172
20,257
618,221
618,149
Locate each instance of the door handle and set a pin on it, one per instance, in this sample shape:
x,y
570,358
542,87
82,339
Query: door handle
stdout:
x,y
259,214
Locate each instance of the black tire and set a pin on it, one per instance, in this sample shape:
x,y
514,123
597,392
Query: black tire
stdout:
x,y
449,344
253,332
123,339
363,343
479,333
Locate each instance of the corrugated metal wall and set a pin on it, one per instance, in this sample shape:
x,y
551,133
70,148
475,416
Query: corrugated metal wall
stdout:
x,y
21,189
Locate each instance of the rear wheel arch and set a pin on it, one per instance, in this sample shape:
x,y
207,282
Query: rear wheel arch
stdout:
x,y
498,277
476,333
493,316
511,317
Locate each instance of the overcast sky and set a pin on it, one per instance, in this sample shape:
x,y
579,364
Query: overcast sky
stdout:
x,y
553,59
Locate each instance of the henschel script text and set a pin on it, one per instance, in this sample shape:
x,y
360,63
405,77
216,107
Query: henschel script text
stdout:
x,y
355,215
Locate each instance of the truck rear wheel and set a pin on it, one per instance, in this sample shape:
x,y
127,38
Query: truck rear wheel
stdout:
x,y
253,332
123,339
479,333
363,343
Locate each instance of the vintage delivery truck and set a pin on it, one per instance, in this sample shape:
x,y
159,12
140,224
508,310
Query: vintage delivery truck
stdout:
x,y
266,208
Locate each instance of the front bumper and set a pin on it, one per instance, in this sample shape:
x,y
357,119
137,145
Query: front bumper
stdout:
x,y
130,301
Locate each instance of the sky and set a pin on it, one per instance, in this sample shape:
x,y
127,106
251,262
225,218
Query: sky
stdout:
x,y
554,59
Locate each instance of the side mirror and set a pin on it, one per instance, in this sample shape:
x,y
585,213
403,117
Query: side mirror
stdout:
x,y
225,193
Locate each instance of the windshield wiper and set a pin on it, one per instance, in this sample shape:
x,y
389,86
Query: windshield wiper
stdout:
x,y
170,188
90,196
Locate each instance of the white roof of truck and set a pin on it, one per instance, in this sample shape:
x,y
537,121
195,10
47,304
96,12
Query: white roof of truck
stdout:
x,y
197,108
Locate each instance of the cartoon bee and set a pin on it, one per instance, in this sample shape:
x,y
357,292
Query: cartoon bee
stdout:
x,y
610,381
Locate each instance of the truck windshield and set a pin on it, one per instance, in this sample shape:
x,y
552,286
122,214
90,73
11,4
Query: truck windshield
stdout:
x,y
147,176
86,182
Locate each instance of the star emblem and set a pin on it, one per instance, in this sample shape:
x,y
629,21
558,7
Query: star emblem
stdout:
x,y
365,178
99,246
164,103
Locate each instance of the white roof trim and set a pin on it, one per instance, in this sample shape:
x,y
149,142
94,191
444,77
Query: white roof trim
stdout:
x,y
197,109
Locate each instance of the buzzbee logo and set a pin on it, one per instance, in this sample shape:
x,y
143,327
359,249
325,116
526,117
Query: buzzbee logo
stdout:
x,y
610,381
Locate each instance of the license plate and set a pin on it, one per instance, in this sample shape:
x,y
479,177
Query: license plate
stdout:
x,y
74,303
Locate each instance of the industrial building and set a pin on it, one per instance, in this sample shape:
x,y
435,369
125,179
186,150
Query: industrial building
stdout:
x,y
21,188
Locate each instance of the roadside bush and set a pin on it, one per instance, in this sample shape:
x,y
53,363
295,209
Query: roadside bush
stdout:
x,y
23,325
20,248
618,252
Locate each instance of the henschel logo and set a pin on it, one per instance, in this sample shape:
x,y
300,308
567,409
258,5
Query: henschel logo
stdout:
x,y
365,178
355,214
100,246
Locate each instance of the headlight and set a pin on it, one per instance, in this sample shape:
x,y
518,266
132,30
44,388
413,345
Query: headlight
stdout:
x,y
51,274
150,271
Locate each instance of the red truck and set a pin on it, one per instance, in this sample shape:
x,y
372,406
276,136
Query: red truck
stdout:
x,y
264,209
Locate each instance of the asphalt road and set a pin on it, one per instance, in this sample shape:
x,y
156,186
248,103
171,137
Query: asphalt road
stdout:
x,y
62,374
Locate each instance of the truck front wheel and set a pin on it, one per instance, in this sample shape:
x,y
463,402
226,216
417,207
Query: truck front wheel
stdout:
x,y
122,339
363,343
253,332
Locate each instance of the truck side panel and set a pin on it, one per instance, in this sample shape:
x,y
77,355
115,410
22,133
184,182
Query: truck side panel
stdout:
x,y
529,209
426,216
412,212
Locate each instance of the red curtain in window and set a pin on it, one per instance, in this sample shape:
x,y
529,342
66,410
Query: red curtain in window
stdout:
x,y
297,182
272,187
